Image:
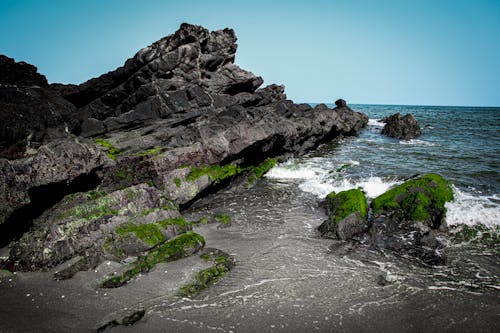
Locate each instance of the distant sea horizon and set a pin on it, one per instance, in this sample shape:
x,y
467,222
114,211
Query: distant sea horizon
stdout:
x,y
398,104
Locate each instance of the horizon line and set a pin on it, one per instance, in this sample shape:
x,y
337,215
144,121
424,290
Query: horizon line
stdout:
x,y
398,104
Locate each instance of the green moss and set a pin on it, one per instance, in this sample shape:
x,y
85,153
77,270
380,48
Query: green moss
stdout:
x,y
176,248
148,233
206,256
179,221
416,198
202,220
93,210
209,276
216,173
264,167
125,175
108,243
150,152
111,151
110,247
345,203
177,182
94,194
223,219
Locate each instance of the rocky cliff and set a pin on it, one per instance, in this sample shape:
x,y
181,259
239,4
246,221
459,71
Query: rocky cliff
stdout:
x,y
178,119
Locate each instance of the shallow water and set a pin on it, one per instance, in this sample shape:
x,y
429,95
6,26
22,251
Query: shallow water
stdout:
x,y
288,279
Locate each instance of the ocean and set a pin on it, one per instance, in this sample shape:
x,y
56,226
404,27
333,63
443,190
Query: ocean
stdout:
x,y
460,143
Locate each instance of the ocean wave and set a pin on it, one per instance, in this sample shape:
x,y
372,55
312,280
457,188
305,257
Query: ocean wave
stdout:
x,y
317,178
372,186
290,171
471,209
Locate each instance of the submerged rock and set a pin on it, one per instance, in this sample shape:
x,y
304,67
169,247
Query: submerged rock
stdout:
x,y
347,211
401,127
122,318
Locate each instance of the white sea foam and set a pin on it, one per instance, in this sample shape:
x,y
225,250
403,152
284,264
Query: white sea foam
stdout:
x,y
417,142
288,172
372,186
375,122
472,209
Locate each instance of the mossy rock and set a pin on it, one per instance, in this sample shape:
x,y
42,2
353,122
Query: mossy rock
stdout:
x,y
179,247
133,238
222,263
420,199
345,203
347,211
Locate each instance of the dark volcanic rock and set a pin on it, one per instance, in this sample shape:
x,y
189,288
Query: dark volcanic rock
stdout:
x,y
30,113
340,103
401,127
179,116
19,74
347,211
410,217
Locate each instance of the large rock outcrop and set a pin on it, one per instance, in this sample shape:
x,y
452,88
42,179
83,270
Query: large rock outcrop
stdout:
x,y
401,127
179,117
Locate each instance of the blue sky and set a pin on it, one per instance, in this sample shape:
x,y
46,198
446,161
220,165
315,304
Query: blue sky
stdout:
x,y
382,52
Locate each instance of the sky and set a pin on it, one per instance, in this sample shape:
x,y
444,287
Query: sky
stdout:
x,y
426,52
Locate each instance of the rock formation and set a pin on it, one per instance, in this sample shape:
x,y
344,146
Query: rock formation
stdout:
x,y
401,127
177,119
407,219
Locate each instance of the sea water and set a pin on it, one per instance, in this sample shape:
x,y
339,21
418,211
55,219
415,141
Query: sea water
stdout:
x,y
460,143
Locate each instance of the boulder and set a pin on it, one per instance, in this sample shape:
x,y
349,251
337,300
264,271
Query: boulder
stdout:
x,y
340,103
347,212
410,217
401,127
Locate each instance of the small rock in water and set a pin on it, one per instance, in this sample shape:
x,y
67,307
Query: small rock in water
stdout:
x,y
401,127
340,103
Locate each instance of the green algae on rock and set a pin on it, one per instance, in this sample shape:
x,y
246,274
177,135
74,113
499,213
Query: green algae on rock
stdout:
x,y
181,246
216,173
419,199
111,151
345,203
149,233
347,211
223,219
261,169
223,263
